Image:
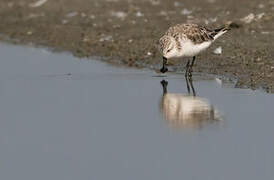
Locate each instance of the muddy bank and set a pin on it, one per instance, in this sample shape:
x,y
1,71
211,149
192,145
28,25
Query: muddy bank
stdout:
x,y
125,32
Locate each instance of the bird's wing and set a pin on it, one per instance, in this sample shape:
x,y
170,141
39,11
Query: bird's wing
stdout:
x,y
196,33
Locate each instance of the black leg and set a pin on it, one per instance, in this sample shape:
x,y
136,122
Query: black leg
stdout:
x,y
192,63
164,68
193,60
187,68
189,85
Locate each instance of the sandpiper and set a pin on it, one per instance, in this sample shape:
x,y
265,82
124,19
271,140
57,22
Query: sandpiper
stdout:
x,y
187,40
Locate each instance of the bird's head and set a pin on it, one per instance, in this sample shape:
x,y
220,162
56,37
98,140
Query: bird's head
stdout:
x,y
167,46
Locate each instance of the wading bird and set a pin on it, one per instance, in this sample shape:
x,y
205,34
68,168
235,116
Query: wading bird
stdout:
x,y
187,40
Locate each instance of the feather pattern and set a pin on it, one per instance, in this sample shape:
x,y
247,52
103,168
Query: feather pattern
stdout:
x,y
194,32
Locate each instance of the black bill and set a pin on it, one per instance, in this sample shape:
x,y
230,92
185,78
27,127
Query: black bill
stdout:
x,y
164,68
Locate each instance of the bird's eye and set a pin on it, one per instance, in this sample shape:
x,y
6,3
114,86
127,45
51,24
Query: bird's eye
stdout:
x,y
169,50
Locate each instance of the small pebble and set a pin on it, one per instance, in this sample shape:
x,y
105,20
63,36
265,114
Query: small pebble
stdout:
x,y
218,50
139,14
186,12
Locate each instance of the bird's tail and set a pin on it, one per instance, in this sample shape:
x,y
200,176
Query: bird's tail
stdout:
x,y
216,33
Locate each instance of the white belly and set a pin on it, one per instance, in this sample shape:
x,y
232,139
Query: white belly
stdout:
x,y
190,49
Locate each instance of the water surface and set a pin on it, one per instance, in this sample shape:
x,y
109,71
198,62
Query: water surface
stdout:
x,y
65,118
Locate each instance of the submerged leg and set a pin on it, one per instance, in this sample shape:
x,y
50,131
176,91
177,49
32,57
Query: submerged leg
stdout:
x,y
189,85
164,68
192,87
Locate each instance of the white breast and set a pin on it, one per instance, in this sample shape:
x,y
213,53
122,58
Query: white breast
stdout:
x,y
190,49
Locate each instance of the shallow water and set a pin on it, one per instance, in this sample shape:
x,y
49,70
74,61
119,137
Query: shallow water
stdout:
x,y
65,118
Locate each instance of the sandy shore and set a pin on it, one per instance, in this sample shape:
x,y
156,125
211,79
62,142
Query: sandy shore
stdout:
x,y
125,31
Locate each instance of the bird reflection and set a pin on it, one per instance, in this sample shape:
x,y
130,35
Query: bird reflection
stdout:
x,y
187,110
